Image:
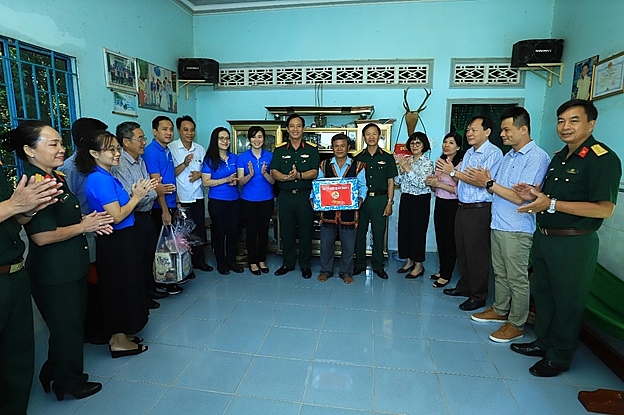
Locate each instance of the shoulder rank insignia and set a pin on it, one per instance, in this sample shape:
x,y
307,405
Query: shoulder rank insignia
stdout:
x,y
281,144
599,150
60,173
312,144
39,178
359,152
583,152
383,150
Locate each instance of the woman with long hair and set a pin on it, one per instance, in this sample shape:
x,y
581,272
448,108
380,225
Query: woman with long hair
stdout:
x,y
257,201
120,277
58,261
219,174
415,204
445,188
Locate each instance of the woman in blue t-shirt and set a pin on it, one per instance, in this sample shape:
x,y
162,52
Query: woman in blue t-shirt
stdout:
x,y
122,288
219,174
257,201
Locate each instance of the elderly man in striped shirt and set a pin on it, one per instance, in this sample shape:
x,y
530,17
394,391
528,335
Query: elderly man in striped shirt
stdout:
x,y
511,232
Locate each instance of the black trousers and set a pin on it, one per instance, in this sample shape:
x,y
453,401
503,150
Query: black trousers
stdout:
x,y
413,222
472,236
197,212
257,217
224,215
444,222
156,215
147,237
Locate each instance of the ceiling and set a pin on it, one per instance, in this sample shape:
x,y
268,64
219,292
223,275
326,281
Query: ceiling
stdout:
x,y
197,7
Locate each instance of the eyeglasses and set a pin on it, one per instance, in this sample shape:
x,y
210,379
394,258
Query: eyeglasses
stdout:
x,y
416,143
140,139
112,150
224,138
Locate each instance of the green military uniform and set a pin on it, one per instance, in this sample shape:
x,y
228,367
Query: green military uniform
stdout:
x,y
295,213
17,342
59,287
563,266
379,168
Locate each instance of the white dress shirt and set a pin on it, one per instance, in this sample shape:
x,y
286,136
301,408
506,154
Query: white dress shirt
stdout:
x,y
188,192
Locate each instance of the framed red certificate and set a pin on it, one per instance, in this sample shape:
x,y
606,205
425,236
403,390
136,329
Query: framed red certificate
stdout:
x,y
335,194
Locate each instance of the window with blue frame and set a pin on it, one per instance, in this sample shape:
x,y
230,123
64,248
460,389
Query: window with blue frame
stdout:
x,y
35,84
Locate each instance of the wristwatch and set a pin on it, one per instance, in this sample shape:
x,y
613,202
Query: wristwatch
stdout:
x,y
489,184
391,201
452,174
551,208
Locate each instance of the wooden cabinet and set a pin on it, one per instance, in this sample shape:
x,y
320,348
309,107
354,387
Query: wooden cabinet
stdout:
x,y
240,142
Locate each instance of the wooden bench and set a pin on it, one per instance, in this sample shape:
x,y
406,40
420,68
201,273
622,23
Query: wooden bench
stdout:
x,y
605,311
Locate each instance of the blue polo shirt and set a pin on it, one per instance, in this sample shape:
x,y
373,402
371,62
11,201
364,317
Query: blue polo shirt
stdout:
x,y
76,182
223,191
103,188
257,189
158,160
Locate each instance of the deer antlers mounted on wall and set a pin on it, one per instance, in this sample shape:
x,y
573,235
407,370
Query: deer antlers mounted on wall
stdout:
x,y
411,117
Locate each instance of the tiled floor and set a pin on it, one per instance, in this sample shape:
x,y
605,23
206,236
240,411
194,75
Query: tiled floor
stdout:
x,y
242,344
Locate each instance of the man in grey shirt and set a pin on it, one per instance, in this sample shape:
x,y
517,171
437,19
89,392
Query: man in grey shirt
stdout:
x,y
132,168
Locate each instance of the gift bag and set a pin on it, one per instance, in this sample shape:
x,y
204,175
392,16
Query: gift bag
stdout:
x,y
172,261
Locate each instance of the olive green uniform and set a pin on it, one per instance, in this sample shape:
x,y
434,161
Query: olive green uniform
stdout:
x,y
59,287
295,213
17,342
563,266
379,168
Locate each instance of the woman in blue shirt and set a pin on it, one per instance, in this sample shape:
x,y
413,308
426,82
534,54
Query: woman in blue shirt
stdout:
x,y
257,201
219,174
122,288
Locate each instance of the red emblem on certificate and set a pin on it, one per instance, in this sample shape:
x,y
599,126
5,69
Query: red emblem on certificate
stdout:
x,y
335,194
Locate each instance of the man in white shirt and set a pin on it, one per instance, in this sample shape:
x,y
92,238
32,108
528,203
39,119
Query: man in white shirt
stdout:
x,y
188,157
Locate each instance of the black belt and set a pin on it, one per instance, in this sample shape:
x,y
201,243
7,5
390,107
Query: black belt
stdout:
x,y
298,191
562,232
377,193
474,205
12,268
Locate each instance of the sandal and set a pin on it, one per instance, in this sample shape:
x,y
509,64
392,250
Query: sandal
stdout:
x,y
438,284
132,352
348,279
323,277
435,276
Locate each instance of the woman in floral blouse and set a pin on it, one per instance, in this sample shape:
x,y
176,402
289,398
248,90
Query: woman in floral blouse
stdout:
x,y
415,204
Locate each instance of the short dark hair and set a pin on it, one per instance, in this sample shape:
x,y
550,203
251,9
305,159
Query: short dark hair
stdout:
x,y
96,140
341,136
253,130
125,130
292,117
156,121
458,140
486,122
180,120
82,126
520,117
27,133
369,125
422,137
588,107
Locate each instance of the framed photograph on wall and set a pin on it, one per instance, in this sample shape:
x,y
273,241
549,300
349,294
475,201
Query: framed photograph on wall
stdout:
x,y
157,87
608,77
582,78
124,104
121,71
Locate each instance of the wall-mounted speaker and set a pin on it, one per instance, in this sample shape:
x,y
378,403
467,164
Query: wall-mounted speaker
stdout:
x,y
198,69
536,51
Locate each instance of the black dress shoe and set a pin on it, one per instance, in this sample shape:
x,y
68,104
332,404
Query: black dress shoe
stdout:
x,y
306,273
223,270
470,305
79,392
381,273
411,276
158,295
546,368
46,380
528,349
152,305
358,270
264,270
282,270
191,276
172,289
236,269
204,267
454,292
403,270
255,271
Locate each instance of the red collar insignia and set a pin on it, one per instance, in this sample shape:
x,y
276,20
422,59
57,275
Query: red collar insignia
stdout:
x,y
583,152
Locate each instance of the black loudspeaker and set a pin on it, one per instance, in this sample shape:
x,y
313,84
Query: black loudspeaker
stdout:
x,y
198,69
536,51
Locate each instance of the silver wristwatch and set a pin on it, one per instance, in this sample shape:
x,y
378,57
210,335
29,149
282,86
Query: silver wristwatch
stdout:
x,y
551,208
452,174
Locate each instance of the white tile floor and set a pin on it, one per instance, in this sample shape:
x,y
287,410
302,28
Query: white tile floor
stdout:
x,y
242,344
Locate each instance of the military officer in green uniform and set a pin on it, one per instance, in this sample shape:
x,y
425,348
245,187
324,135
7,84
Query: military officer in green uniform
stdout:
x,y
380,172
579,192
17,343
294,166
